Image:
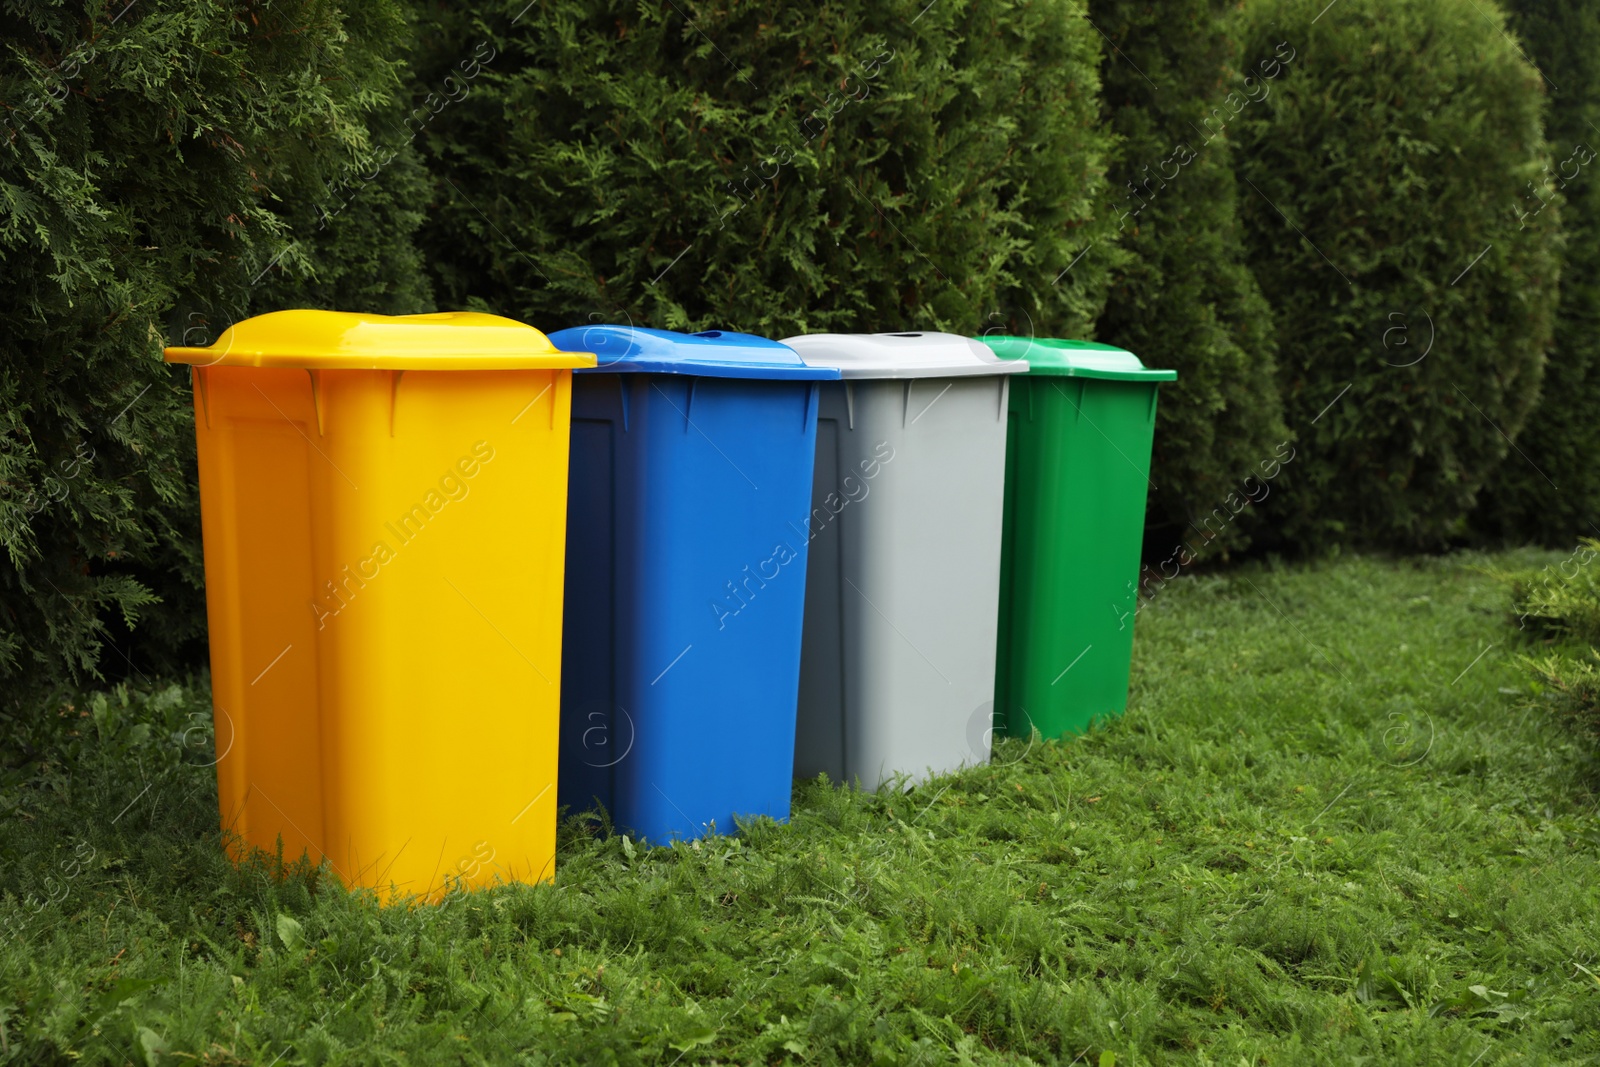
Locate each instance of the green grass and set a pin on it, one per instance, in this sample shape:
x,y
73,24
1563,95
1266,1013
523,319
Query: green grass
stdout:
x,y
1327,831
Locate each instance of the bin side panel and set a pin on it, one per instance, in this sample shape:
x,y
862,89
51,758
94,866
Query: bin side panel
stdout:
x,y
595,733
709,668
1081,475
1014,511
819,730
255,476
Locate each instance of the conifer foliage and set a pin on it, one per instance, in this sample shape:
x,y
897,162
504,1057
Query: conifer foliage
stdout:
x,y
775,168
1549,490
1413,308
155,161
1184,298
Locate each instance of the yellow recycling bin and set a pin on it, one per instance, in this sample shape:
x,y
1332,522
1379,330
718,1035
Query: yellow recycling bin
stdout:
x,y
384,510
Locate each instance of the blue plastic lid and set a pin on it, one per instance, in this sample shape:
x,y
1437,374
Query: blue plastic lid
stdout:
x,y
712,354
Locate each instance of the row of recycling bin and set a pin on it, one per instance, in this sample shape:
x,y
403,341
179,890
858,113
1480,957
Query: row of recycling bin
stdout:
x,y
460,573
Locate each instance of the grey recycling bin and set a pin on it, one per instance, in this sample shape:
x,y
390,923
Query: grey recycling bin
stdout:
x,y
902,592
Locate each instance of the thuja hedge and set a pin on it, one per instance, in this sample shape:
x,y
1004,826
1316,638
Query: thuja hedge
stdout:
x,y
159,170
1184,298
770,167
1413,310
1549,491
781,169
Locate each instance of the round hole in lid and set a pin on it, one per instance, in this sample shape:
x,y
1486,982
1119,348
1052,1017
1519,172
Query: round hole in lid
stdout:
x,y
709,333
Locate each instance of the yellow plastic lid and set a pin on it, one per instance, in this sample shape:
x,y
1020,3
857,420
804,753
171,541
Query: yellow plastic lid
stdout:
x,y
345,340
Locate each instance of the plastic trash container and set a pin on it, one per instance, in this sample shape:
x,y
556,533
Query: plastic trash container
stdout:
x,y
1077,471
692,457
383,502
902,594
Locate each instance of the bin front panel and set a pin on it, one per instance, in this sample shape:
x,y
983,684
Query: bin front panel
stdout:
x,y
1077,476
903,591
687,544
384,560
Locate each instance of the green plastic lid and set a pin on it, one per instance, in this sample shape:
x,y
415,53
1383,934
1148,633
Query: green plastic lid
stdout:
x,y
1076,359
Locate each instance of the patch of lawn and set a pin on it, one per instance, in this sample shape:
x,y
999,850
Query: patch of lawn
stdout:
x,y
1332,828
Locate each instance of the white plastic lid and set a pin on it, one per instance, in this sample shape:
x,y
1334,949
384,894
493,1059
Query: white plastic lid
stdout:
x,y
901,355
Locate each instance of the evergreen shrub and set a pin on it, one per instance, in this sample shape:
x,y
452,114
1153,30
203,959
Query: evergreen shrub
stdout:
x,y
773,168
1550,493
156,161
1185,298
1413,309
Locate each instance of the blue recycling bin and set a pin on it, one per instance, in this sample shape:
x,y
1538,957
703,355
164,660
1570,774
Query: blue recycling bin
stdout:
x,y
690,483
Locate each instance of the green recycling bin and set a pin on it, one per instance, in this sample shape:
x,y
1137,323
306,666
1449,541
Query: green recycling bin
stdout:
x,y
1078,439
